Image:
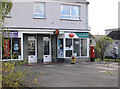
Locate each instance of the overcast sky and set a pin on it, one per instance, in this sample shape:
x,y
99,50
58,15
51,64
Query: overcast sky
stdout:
x,y
103,14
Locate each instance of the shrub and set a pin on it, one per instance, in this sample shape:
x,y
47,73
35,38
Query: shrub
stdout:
x,y
13,74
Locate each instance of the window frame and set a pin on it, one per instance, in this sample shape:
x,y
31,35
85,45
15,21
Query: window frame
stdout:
x,y
9,13
58,46
11,51
39,13
81,46
70,16
10,47
64,45
19,52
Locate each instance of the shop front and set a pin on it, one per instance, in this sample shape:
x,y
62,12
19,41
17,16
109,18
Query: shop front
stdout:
x,y
39,48
51,47
76,44
11,45
45,47
35,49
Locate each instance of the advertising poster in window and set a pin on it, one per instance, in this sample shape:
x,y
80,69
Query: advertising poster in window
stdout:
x,y
60,48
6,49
11,34
31,47
15,48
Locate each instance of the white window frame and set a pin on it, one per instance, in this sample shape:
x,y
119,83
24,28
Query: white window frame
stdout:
x,y
63,48
11,51
80,47
64,44
87,40
38,13
70,12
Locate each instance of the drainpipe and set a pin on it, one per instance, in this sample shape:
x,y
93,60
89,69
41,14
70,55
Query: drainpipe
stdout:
x,y
0,31
87,15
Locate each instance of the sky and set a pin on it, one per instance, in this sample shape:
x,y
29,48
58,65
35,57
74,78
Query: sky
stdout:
x,y
102,14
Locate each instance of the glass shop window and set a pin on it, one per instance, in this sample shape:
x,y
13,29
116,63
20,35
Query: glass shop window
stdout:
x,y
46,47
69,47
31,47
16,48
76,47
11,48
60,48
83,47
6,49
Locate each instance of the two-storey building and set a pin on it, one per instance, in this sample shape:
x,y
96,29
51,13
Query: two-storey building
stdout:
x,y
47,31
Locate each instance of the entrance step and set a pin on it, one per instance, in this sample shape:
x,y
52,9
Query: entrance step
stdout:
x,y
45,63
31,64
50,63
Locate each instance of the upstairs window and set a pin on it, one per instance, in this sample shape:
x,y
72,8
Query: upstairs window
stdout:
x,y
39,10
70,12
7,9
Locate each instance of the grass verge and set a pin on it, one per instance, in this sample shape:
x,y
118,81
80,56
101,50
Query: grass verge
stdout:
x,y
98,59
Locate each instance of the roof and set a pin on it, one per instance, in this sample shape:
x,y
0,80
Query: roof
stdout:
x,y
69,1
115,35
114,29
76,1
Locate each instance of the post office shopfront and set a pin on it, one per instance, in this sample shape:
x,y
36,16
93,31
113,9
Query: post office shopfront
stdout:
x,y
73,44
40,47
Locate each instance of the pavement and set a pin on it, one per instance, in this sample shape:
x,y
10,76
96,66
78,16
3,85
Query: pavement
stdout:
x,y
84,74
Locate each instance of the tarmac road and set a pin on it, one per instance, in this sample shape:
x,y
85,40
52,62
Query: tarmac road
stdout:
x,y
83,74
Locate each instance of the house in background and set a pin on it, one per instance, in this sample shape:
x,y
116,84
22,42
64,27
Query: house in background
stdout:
x,y
113,47
47,31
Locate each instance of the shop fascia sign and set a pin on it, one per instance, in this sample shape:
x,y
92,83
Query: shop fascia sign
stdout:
x,y
10,33
82,35
77,35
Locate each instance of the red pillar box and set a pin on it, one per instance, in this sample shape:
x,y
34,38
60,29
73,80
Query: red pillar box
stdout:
x,y
92,48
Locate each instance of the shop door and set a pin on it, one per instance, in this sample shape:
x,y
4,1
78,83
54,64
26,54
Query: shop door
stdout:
x,y
32,49
47,49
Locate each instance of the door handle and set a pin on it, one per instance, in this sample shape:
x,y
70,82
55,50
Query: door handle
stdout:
x,y
45,56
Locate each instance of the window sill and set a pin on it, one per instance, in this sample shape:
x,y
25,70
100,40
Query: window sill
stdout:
x,y
7,16
76,57
11,60
70,20
39,18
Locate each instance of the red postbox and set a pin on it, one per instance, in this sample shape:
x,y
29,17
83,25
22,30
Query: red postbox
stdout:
x,y
92,48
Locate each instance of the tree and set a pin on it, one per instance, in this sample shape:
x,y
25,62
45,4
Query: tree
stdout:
x,y
102,42
5,8
13,75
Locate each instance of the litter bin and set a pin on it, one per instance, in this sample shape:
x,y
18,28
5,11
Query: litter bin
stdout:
x,y
73,59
